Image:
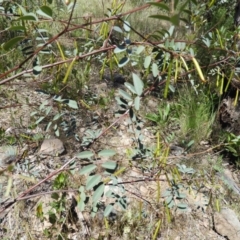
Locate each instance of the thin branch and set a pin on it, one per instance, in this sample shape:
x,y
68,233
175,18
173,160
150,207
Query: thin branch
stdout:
x,y
36,185
58,63
71,15
65,30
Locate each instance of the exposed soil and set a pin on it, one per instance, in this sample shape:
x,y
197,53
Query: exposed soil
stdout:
x,y
19,221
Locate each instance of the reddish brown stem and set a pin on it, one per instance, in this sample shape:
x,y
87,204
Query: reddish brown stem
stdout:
x,y
65,30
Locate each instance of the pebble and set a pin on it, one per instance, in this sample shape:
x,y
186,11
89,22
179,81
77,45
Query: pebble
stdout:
x,y
227,224
8,154
51,147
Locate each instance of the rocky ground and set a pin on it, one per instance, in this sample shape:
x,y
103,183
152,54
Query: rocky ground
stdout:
x,y
35,158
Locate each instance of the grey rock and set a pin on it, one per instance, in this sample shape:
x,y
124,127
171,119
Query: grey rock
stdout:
x,y
51,147
8,154
227,224
227,177
101,89
152,104
176,150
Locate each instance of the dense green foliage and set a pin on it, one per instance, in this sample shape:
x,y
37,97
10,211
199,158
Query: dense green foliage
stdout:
x,y
188,64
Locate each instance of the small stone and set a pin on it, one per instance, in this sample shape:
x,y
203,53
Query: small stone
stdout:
x,y
52,147
8,154
176,150
227,224
143,190
204,143
152,104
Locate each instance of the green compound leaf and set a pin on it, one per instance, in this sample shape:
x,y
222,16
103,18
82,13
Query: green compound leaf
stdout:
x,y
11,43
87,169
117,29
175,20
125,95
47,110
182,205
180,195
106,153
167,193
119,49
161,17
138,84
147,61
108,210
22,9
28,50
98,193
71,103
57,116
172,88
45,11
29,17
33,113
92,181
137,103
109,194
123,61
37,70
43,105
169,200
81,189
122,102
155,70
126,26
57,133
130,87
171,204
48,126
161,6
17,28
122,203
85,154
132,115
140,49
81,205
109,165
45,51
39,120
